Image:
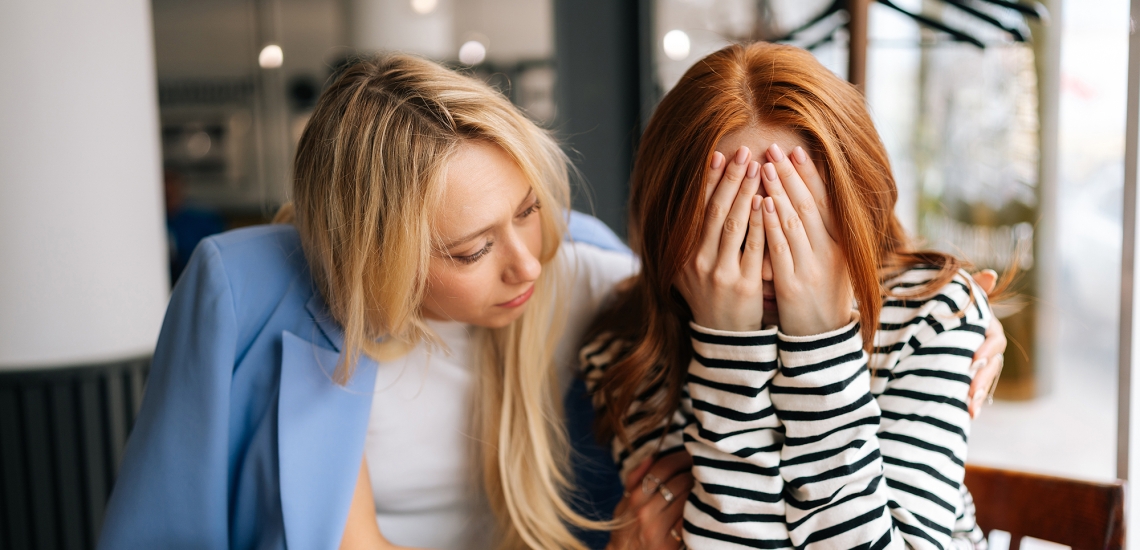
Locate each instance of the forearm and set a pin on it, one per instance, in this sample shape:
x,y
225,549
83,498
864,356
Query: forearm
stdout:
x,y
831,462
735,441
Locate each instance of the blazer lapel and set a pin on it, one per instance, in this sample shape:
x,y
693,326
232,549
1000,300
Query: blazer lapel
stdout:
x,y
331,331
320,432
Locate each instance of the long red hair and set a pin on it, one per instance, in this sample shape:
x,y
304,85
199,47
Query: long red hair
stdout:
x,y
765,85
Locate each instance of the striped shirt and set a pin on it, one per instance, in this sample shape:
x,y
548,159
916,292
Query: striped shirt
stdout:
x,y
804,441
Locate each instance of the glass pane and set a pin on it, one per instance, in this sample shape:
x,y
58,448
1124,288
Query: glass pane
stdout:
x,y
1071,428
951,115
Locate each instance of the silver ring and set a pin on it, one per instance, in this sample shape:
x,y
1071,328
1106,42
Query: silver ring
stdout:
x,y
650,478
666,494
673,533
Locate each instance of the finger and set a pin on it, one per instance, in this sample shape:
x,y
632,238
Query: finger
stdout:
x,y
789,219
987,279
982,386
783,268
677,533
668,466
986,366
994,343
670,496
736,225
752,260
659,470
713,173
798,194
807,170
721,203
638,474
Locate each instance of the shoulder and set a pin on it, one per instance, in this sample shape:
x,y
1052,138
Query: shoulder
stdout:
x,y
260,246
596,262
259,267
588,229
958,302
265,256
589,274
598,354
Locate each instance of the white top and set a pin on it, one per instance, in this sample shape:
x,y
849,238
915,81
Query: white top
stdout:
x,y
418,445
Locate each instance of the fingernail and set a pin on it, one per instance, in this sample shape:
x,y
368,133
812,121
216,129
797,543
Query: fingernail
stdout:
x,y
753,168
741,155
775,152
770,171
799,154
717,160
977,365
769,205
756,200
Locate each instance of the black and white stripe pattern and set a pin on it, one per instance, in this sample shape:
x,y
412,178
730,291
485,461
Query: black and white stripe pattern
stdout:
x,y
806,442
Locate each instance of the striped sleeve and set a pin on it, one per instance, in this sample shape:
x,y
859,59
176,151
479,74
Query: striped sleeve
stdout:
x,y
802,442
880,471
595,357
735,439
925,420
830,463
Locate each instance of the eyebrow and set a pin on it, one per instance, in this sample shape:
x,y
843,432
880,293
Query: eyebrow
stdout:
x,y
470,236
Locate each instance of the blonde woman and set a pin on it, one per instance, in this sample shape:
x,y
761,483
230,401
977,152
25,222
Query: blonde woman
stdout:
x,y
386,368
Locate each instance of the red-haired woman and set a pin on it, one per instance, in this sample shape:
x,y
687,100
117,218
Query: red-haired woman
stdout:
x,y
814,364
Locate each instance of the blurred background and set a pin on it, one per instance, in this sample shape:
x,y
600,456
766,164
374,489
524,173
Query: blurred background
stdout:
x,y
129,130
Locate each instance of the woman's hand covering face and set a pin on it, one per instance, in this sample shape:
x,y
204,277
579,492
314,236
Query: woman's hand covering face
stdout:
x,y
724,283
813,288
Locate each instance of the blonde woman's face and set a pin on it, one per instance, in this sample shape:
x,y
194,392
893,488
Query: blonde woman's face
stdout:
x,y
491,237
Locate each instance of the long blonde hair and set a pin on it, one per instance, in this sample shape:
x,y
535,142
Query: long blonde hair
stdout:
x,y
369,172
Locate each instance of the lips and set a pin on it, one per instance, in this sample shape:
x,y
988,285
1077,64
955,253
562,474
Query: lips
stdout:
x,y
769,302
518,300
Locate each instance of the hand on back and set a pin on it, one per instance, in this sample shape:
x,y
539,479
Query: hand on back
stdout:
x,y
654,503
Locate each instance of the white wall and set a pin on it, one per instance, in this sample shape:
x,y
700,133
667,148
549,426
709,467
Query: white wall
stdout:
x,y
83,274
392,25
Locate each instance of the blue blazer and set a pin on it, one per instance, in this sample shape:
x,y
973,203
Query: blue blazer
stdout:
x,y
243,439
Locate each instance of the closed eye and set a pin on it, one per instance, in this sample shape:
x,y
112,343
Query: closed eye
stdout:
x,y
472,258
534,207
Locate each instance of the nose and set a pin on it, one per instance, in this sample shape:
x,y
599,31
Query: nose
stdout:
x,y
522,266
766,271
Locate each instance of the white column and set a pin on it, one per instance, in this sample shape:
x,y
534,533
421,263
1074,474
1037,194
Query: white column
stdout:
x,y
1128,396
83,267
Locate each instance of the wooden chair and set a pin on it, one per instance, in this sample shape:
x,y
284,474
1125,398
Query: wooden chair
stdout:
x,y
1081,514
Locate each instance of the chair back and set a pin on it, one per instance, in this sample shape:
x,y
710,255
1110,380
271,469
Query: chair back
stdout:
x,y
1081,514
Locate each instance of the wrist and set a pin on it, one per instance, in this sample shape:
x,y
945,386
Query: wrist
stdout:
x,y
819,325
725,324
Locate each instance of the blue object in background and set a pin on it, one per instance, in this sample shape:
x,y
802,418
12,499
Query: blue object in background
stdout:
x,y
596,475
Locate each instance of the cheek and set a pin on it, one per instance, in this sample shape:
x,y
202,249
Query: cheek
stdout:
x,y
532,236
452,295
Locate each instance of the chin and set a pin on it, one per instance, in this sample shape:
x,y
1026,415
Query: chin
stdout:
x,y
501,319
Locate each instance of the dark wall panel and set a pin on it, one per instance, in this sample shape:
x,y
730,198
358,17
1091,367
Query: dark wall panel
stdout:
x,y
600,51
62,433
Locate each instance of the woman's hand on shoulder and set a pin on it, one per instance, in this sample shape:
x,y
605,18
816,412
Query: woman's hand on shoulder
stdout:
x,y
653,505
989,357
722,283
813,287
